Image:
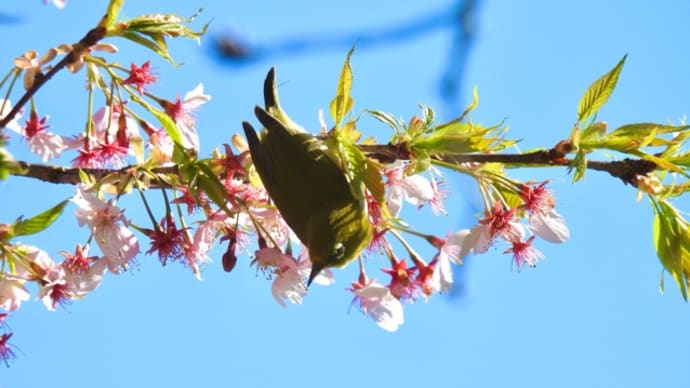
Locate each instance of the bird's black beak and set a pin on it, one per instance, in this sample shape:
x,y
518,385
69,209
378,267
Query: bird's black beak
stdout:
x,y
315,270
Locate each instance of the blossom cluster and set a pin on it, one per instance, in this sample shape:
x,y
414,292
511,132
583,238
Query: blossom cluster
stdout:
x,y
117,137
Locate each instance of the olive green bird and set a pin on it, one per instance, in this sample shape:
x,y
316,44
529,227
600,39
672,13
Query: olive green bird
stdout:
x,y
307,184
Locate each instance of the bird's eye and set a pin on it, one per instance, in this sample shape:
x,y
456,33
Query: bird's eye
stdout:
x,y
339,251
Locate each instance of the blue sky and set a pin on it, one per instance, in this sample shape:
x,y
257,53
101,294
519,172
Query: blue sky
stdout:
x,y
591,314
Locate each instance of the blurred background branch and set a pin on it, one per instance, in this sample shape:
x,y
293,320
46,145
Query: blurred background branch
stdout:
x,y
459,19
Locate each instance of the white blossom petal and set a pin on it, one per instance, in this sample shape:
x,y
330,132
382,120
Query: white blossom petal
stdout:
x,y
550,226
377,302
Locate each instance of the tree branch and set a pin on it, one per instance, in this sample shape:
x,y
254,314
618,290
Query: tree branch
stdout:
x,y
70,175
78,50
626,169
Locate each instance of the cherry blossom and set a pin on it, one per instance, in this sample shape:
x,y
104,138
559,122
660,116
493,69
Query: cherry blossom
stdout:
x,y
6,352
114,131
87,156
140,76
450,251
544,221
273,223
501,222
524,253
160,144
206,232
106,221
54,289
402,285
33,66
78,62
84,273
12,292
288,283
377,301
167,240
415,189
45,144
182,112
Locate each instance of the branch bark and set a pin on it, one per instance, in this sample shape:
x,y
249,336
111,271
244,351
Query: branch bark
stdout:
x,y
626,169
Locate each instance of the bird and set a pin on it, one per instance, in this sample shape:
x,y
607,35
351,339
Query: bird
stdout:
x,y
307,183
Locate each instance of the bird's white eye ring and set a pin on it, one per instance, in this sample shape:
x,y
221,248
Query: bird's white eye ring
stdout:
x,y
339,251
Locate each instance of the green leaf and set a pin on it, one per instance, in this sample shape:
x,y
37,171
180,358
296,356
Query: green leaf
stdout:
x,y
456,137
151,31
599,92
39,222
395,124
662,163
427,115
207,180
342,103
670,236
150,44
113,11
373,181
473,104
163,118
579,163
356,168
7,163
645,129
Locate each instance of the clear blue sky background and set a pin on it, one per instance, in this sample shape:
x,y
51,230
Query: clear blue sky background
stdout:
x,y
590,315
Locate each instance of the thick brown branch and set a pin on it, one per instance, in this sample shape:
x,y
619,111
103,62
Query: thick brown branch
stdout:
x,y
625,170
67,175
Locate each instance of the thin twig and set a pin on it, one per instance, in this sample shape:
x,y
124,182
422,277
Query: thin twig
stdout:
x,y
91,38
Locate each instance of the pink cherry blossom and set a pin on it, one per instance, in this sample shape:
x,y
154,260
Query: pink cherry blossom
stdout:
x,y
550,226
273,223
501,222
442,278
206,232
160,144
168,240
33,66
106,221
87,156
182,112
54,289
114,130
544,221
288,282
402,285
45,144
450,250
6,352
12,292
83,273
524,253
140,76
415,189
376,301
